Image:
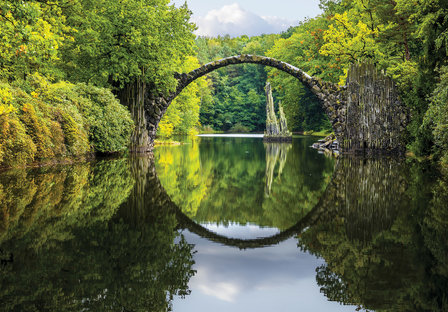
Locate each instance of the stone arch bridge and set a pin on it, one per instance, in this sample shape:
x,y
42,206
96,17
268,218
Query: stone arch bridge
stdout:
x,y
366,114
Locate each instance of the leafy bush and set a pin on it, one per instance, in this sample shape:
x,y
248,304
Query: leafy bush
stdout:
x,y
58,120
110,124
436,117
107,123
239,128
16,147
38,131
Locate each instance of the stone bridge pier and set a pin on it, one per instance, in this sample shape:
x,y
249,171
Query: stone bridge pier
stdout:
x,y
366,114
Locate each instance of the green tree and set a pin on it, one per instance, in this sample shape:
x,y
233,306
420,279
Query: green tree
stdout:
x,y
32,33
131,45
237,91
436,118
182,116
303,110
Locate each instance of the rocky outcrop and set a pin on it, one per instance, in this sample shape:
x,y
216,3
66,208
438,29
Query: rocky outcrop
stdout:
x,y
275,131
375,118
283,122
328,146
272,127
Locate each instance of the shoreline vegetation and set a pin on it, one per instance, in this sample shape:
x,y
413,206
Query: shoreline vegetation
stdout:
x,y
56,122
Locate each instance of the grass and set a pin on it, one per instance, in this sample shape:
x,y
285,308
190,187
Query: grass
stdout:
x,y
322,133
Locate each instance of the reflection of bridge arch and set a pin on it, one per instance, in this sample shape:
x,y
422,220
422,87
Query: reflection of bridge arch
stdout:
x,y
305,222
149,195
360,191
316,214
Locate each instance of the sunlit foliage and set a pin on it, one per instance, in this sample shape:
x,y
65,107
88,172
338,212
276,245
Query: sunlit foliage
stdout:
x,y
32,33
59,120
182,116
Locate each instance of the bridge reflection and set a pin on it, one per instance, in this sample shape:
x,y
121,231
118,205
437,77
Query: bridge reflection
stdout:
x,y
366,193
380,226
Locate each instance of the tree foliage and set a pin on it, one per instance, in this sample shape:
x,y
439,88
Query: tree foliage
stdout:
x,y
59,120
116,42
182,116
32,33
237,95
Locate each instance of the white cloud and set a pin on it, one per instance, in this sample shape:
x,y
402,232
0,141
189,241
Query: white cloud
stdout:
x,y
223,291
235,21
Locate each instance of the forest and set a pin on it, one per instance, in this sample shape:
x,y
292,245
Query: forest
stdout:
x,y
69,71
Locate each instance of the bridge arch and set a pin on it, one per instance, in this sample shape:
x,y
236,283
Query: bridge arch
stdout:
x,y
320,88
360,112
330,95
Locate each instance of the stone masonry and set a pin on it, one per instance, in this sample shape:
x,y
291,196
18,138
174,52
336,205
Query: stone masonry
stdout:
x,y
366,114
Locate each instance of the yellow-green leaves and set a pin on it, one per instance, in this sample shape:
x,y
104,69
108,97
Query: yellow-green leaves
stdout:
x,y
349,38
31,35
182,116
5,100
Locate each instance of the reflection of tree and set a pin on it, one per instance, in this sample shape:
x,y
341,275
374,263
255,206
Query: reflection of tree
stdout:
x,y
274,152
181,174
101,259
301,185
232,173
433,294
48,200
372,239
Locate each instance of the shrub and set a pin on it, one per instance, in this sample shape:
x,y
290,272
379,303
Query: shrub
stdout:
x,y
16,147
38,131
436,117
60,119
75,138
107,123
110,123
239,128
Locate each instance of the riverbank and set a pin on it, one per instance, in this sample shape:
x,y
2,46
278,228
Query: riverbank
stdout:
x,y
322,133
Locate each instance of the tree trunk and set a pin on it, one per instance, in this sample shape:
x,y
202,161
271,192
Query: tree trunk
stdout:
x,y
133,96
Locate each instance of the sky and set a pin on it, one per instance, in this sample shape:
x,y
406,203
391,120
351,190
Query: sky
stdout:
x,y
277,278
248,17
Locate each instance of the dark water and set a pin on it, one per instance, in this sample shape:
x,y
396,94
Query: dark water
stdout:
x,y
225,224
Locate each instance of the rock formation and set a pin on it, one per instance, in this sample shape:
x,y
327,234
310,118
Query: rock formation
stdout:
x,y
275,132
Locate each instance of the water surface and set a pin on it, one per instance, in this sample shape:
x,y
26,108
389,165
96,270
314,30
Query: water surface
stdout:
x,y
225,223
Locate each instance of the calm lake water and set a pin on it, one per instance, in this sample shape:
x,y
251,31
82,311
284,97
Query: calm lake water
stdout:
x,y
225,224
